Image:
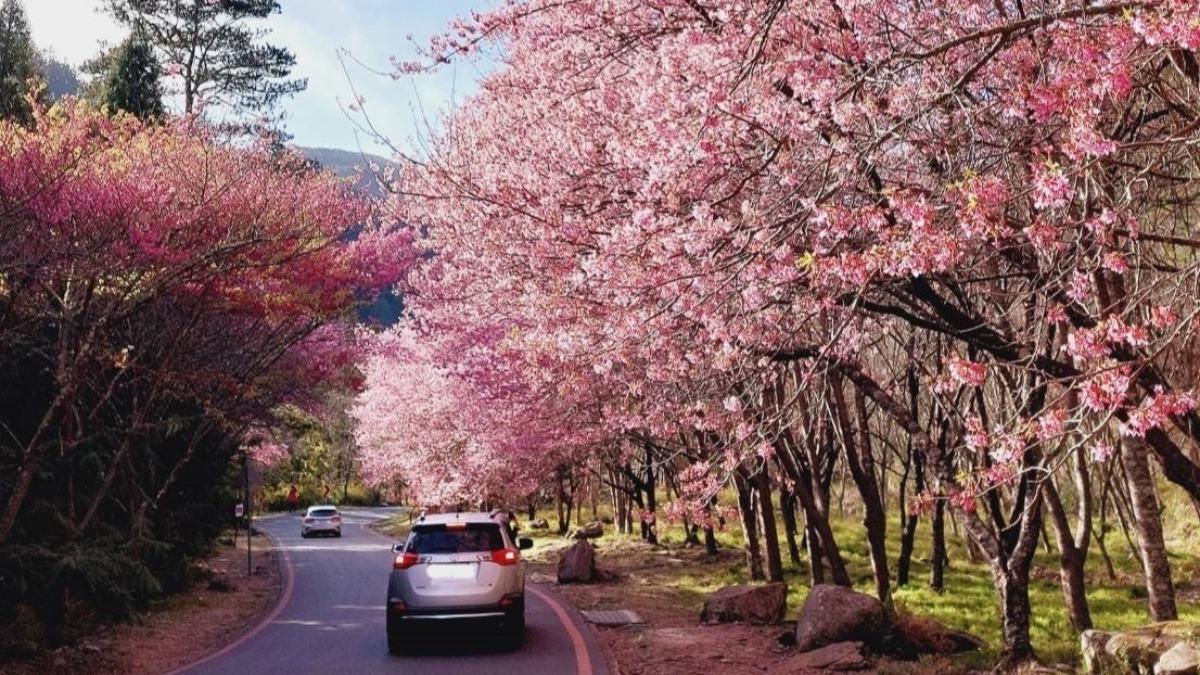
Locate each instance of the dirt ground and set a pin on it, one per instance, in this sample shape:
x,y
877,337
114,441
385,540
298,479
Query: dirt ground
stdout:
x,y
184,628
671,640
655,582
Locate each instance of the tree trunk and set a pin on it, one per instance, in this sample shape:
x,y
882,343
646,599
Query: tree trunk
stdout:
x,y
815,558
1071,560
770,532
560,508
856,444
908,536
1013,590
746,509
1148,522
651,516
1099,533
860,461
937,562
788,507
815,517
908,533
710,540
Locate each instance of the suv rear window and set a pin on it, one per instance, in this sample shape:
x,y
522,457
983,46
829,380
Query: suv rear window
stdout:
x,y
323,513
471,538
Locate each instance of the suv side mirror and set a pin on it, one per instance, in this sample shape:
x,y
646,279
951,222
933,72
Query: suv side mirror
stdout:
x,y
524,543
397,548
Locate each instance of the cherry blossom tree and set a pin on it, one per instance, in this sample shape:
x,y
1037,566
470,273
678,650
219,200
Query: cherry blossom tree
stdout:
x,y
656,210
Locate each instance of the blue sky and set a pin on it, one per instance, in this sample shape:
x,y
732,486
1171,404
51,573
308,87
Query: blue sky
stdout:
x,y
372,30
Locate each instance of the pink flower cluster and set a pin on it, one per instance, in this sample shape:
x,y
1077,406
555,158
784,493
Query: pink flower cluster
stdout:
x,y
967,373
1155,411
1106,391
1051,186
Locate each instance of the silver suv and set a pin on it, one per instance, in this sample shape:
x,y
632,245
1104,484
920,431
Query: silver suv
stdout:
x,y
457,567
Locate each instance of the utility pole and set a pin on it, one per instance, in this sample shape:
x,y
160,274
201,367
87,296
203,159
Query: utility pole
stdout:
x,y
246,501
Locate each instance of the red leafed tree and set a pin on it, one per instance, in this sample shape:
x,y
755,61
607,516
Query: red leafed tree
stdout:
x,y
148,275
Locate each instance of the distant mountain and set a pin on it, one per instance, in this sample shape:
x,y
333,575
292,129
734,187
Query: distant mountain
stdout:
x,y
61,78
349,163
387,308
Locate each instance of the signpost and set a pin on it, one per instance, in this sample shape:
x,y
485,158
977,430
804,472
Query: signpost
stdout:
x,y
237,522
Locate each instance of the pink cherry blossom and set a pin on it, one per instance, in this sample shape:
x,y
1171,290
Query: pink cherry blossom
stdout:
x,y
966,372
1052,187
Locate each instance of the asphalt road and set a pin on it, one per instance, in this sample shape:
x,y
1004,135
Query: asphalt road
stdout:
x,y
332,619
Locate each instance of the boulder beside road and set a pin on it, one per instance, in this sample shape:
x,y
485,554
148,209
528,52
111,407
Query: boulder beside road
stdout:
x,y
577,564
1182,659
744,603
834,614
1166,648
592,530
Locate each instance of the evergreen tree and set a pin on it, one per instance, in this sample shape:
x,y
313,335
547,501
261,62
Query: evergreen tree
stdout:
x,y
131,82
18,61
217,49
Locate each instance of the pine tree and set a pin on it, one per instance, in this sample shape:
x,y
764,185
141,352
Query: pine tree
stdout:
x,y
18,61
131,82
217,49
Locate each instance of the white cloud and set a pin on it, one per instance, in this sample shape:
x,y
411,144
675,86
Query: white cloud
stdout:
x,y
72,29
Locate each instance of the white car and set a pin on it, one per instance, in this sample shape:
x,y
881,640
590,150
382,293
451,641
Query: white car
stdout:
x,y
321,519
457,568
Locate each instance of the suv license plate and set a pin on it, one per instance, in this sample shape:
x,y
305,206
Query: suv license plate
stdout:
x,y
452,570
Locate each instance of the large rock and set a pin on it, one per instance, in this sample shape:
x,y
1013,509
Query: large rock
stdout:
x,y
590,531
1182,659
1138,651
914,635
1091,645
749,604
838,614
578,564
539,524
837,657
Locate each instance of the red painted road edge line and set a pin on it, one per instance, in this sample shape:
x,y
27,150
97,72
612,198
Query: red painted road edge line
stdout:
x,y
284,598
583,663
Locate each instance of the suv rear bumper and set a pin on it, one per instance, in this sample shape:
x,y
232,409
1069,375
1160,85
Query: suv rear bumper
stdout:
x,y
443,615
514,609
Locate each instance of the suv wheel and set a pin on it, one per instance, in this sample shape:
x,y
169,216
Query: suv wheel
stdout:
x,y
514,630
396,641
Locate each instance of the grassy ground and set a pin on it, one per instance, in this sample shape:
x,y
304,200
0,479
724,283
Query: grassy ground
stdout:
x,y
684,578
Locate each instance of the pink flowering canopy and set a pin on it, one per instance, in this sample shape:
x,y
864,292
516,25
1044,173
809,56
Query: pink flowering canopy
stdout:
x,y
654,208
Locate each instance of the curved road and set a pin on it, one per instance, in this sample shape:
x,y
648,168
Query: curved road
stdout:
x,y
332,619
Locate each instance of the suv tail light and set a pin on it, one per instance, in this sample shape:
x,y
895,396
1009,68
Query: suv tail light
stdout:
x,y
335,519
506,556
405,561
309,520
